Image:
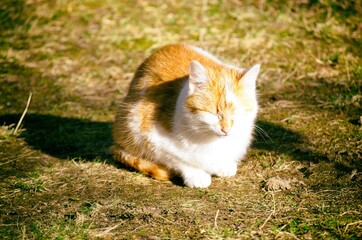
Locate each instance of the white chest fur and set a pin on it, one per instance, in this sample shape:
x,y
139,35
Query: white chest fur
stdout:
x,y
207,153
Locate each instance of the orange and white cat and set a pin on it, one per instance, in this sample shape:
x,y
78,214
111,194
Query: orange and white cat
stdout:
x,y
186,113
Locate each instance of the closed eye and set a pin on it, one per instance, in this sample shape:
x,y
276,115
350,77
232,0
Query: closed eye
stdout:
x,y
209,118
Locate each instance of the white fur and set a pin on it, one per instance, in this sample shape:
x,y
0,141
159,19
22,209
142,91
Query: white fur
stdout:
x,y
229,95
196,148
196,154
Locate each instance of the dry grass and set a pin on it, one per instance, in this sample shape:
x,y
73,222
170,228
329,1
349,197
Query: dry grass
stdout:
x,y
77,57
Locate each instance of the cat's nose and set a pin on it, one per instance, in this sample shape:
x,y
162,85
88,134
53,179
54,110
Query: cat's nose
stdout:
x,y
225,131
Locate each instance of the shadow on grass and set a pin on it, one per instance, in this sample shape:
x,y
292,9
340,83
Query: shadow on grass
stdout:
x,y
14,20
12,14
70,138
84,140
283,141
65,138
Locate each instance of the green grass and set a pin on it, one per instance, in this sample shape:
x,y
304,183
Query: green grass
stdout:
x,y
57,180
30,186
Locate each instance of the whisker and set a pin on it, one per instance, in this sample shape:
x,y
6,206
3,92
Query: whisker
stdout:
x,y
263,133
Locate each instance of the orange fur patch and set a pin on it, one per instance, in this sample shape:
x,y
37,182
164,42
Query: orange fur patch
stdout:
x,y
151,169
153,95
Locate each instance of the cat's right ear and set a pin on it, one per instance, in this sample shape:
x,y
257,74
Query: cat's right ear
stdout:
x,y
197,76
248,76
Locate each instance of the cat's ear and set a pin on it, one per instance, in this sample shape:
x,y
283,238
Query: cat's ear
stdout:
x,y
248,77
197,76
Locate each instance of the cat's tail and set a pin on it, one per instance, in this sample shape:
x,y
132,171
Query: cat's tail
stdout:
x,y
155,170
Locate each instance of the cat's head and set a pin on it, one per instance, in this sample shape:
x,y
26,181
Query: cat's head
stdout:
x,y
218,97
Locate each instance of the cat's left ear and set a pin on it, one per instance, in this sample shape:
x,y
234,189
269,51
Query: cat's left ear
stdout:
x,y
197,76
248,77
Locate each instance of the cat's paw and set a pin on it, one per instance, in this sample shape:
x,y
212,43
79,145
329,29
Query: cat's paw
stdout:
x,y
227,170
197,179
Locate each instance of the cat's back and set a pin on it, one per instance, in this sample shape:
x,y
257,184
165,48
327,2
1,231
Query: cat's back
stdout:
x,y
170,63
156,85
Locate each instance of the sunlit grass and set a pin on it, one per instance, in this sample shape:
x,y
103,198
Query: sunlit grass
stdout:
x,y
78,57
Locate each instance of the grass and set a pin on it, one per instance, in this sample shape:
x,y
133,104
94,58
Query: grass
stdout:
x,y
57,180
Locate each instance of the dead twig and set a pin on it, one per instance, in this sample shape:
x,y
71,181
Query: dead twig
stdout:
x,y
106,231
271,214
347,69
215,219
23,115
351,224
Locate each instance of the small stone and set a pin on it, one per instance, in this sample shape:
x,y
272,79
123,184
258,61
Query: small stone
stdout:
x,y
276,183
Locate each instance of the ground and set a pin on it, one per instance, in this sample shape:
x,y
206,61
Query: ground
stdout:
x,y
301,178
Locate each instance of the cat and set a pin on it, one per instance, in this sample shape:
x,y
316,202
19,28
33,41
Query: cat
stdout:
x,y
187,114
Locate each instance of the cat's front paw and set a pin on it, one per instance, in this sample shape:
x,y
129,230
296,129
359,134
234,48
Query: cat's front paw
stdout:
x,y
227,170
197,179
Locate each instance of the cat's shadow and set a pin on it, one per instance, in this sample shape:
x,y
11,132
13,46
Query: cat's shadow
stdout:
x,y
275,138
82,139
65,138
